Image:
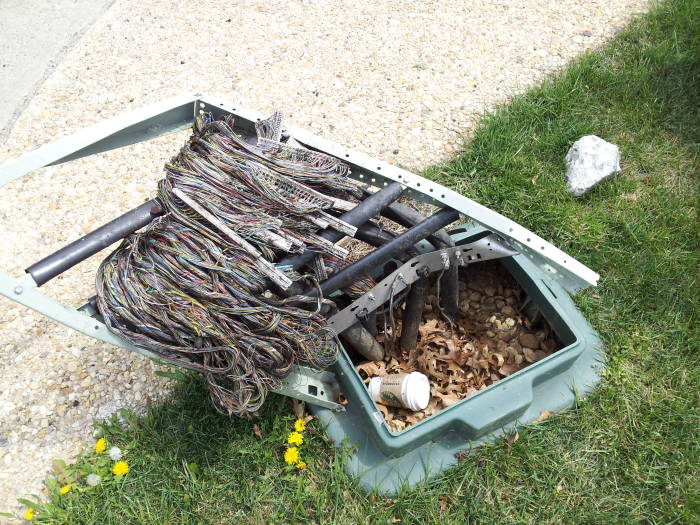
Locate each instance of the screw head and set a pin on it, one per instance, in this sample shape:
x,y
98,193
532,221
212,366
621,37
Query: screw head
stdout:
x,y
19,290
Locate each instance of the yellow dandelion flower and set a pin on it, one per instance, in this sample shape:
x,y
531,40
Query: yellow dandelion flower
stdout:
x,y
295,438
291,456
29,514
299,425
65,489
300,465
120,468
100,446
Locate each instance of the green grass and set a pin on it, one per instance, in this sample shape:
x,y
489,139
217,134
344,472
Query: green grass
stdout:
x,y
630,453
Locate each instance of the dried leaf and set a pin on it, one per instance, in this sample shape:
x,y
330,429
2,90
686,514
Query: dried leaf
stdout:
x,y
256,430
397,425
444,503
298,407
415,417
471,391
512,438
403,368
529,340
459,356
449,399
529,354
371,369
427,363
549,345
508,369
461,456
429,329
480,349
433,407
545,414
496,359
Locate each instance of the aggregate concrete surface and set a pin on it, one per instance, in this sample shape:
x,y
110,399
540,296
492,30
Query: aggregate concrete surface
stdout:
x,y
403,81
29,52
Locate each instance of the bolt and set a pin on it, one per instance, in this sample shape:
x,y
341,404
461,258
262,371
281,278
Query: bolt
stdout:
x,y
445,260
19,290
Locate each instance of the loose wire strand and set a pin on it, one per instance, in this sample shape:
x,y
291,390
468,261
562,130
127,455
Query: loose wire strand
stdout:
x,y
183,290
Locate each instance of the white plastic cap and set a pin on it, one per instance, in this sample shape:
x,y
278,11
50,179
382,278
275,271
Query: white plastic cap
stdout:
x,y
416,394
415,391
374,385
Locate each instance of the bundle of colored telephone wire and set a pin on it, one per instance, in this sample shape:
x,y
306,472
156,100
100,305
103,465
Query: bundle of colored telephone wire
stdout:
x,y
199,286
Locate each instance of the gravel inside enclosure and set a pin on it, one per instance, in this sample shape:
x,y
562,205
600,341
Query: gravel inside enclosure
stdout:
x,y
403,81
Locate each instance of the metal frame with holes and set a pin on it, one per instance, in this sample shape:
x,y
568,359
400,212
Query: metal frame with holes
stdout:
x,y
484,249
178,113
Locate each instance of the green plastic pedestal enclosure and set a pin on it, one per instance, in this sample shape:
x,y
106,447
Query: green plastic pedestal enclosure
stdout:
x,y
386,461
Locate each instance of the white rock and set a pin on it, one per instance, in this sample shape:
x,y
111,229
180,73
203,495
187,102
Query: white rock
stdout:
x,y
589,161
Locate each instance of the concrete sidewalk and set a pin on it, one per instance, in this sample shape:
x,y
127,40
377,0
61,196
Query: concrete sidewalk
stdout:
x,y
34,37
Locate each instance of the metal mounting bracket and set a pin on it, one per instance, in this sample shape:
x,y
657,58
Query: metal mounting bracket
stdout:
x,y
318,387
487,248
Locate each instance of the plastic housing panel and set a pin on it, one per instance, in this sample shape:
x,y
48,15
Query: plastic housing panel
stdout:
x,y
385,461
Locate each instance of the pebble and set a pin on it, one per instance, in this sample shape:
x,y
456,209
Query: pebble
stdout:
x,y
529,340
529,354
343,70
507,310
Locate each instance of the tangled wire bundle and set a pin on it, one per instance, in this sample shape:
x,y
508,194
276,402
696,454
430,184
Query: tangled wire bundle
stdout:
x,y
191,287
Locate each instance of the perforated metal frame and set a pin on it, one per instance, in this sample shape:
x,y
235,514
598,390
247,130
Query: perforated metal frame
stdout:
x,y
483,249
